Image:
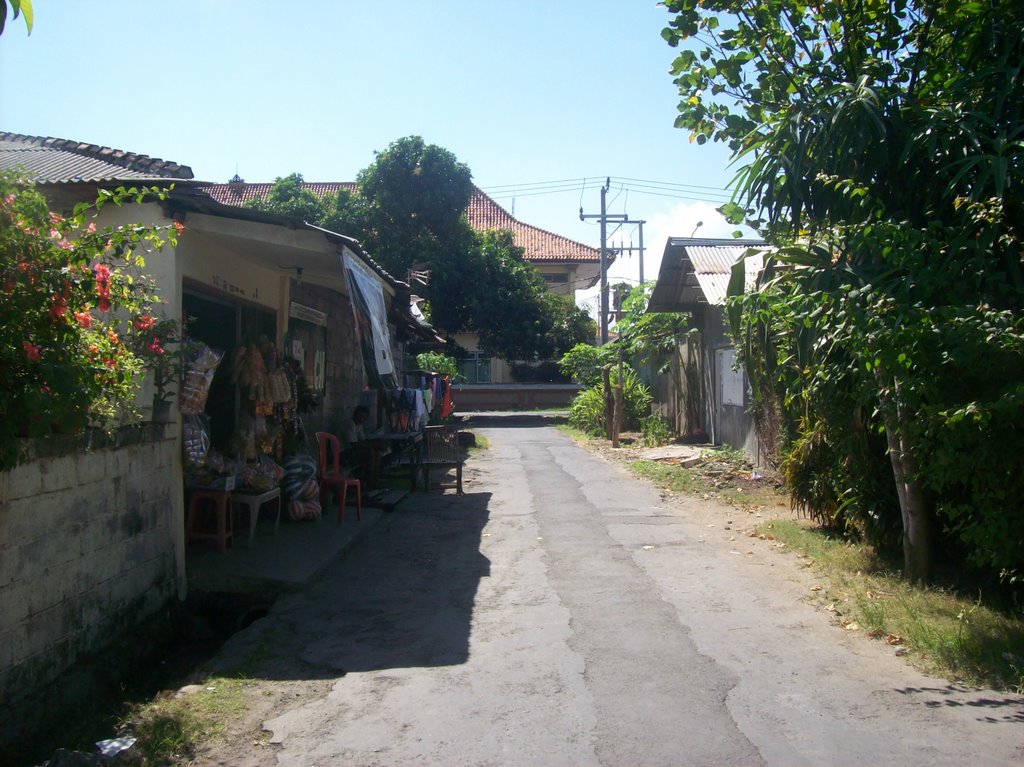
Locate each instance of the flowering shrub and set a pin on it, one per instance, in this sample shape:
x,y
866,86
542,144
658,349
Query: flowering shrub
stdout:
x,y
75,308
158,345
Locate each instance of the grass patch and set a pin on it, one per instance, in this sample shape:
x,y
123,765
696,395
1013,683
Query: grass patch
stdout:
x,y
725,476
169,727
946,633
669,477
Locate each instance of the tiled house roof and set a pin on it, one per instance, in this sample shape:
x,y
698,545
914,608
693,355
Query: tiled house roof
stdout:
x,y
240,193
483,214
55,160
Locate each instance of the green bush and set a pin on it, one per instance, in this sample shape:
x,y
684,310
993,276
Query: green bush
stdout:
x,y
435,362
655,430
583,363
587,410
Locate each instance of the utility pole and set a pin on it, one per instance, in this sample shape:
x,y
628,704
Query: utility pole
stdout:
x,y
604,217
639,248
641,227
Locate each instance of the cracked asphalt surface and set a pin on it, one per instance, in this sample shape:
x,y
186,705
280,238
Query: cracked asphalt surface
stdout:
x,y
565,613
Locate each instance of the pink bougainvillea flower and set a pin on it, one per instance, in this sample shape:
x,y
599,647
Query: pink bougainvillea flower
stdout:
x,y
155,347
110,362
84,319
91,229
104,304
59,308
31,351
55,234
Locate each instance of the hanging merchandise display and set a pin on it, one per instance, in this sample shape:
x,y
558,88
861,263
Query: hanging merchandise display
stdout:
x,y
195,438
200,367
268,423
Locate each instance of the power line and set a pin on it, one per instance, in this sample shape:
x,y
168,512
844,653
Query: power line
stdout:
x,y
561,182
621,182
670,184
689,192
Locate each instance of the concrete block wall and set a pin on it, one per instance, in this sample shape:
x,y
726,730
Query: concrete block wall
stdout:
x,y
470,398
88,535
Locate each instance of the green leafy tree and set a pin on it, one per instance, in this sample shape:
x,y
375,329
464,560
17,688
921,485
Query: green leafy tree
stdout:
x,y
644,338
650,338
584,362
513,313
288,197
344,212
409,214
570,324
18,7
882,150
416,196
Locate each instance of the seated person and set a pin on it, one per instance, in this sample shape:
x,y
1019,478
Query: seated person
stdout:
x,y
358,451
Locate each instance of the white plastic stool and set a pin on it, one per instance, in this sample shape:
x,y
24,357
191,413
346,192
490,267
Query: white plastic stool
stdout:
x,y
253,502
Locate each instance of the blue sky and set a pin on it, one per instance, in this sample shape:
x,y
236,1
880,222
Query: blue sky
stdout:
x,y
525,93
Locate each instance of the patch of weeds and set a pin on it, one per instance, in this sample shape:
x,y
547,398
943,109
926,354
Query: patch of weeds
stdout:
x,y
169,727
945,633
655,430
667,476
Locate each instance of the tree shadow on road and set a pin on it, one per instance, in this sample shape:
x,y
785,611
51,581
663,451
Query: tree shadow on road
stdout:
x,y
956,697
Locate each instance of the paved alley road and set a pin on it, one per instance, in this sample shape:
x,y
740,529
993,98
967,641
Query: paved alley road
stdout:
x,y
562,613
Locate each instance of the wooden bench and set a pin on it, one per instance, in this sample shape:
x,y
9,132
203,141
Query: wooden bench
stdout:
x,y
441,450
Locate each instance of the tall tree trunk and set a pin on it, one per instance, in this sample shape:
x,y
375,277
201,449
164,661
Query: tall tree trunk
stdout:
x,y
917,517
609,402
617,427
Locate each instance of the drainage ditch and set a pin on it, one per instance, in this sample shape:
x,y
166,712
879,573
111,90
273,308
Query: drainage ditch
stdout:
x,y
163,655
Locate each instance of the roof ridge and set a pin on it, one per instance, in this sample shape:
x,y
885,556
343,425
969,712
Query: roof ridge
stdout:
x,y
128,160
478,199
536,228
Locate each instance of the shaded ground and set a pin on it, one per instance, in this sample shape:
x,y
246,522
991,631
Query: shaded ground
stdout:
x,y
570,618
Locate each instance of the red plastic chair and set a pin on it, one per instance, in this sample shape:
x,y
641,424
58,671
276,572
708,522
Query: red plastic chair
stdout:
x,y
330,475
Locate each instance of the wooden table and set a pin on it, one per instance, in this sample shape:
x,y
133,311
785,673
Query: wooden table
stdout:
x,y
407,446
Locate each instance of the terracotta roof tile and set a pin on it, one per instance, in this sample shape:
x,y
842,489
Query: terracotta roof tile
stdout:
x,y
483,214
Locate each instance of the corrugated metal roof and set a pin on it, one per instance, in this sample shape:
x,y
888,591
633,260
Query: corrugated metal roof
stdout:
x,y
695,272
712,264
483,214
59,161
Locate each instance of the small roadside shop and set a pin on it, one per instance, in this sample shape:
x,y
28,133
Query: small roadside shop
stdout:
x,y
273,355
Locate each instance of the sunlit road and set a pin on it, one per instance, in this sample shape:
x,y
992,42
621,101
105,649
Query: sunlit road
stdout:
x,y
562,613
